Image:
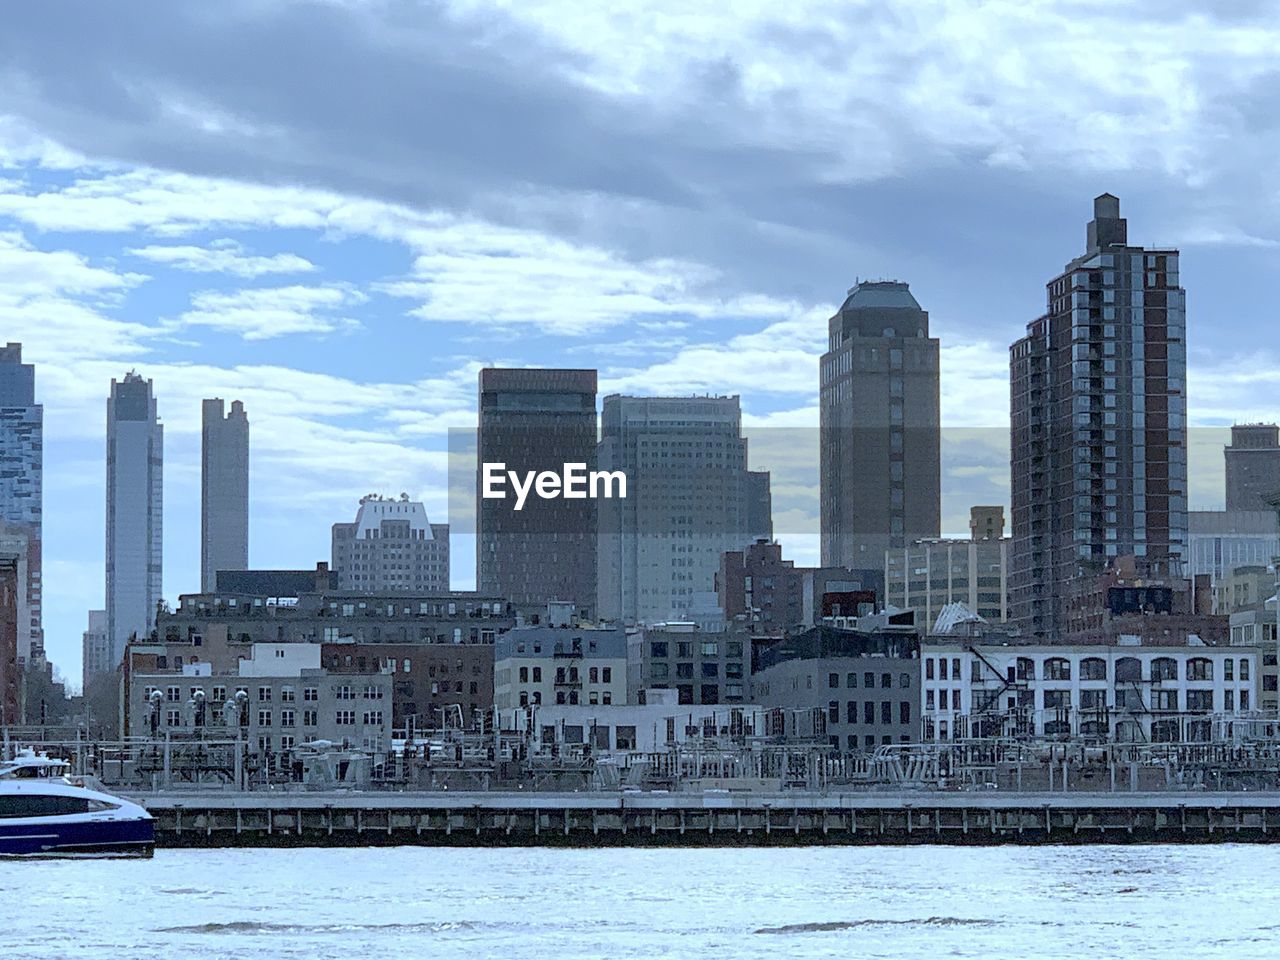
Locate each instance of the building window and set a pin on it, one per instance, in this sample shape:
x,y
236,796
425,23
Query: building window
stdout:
x,y
264,718
1199,668
1164,668
286,718
851,680
310,694
904,711
1057,668
310,718
345,718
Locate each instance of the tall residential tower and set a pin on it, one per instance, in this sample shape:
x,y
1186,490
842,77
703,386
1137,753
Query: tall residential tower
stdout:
x,y
21,489
880,438
135,500
224,491
1099,455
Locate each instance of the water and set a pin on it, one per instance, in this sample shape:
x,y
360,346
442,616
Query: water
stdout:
x,y
524,904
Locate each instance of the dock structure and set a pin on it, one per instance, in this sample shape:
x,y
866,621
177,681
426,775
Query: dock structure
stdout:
x,y
450,818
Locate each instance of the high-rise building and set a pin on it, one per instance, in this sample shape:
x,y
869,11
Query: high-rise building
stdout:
x,y
96,649
1099,455
690,498
224,491
391,547
135,502
536,420
880,440
21,486
1253,466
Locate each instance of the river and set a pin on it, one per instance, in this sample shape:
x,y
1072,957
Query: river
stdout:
x,y
1184,902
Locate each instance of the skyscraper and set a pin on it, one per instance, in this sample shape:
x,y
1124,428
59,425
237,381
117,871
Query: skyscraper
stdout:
x,y
1099,457
21,488
224,491
391,546
880,439
1253,466
690,499
537,419
95,650
135,500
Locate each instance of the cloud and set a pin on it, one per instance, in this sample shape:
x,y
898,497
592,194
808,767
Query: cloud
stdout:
x,y
222,256
264,313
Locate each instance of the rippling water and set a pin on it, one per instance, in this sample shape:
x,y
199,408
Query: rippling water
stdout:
x,y
1167,902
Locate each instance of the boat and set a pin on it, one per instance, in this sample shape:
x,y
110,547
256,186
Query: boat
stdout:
x,y
44,811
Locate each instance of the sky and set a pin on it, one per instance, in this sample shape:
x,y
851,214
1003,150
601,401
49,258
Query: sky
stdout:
x,y
339,211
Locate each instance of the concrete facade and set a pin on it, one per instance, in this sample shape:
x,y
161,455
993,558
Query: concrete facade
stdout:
x,y
22,488
865,685
702,666
565,666
929,574
95,649
1098,400
333,616
690,498
283,707
533,419
224,491
634,727
135,508
1252,466
880,438
391,547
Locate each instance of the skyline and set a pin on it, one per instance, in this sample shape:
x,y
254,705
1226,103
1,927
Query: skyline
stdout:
x,y
683,214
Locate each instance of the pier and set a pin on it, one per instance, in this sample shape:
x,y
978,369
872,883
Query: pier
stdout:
x,y
707,819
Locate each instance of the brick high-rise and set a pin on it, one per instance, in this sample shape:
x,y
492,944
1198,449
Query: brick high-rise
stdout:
x,y
880,438
1099,456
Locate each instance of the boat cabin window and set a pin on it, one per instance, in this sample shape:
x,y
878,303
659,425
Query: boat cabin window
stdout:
x,y
34,805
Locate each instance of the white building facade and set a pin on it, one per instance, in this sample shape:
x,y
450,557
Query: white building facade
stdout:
x,y
1126,692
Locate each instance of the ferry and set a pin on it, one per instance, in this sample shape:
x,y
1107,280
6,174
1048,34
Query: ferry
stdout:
x,y
44,811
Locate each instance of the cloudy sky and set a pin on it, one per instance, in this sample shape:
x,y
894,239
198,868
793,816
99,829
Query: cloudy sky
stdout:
x,y
338,211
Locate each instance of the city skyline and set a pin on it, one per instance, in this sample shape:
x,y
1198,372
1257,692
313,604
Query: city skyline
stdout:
x,y
693,241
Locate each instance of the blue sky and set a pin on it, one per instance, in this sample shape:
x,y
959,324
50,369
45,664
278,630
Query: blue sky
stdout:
x,y
338,211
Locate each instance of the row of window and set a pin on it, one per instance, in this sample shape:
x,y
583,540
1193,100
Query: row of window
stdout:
x,y
1127,669
1196,701
868,712
567,698
868,680
661,649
